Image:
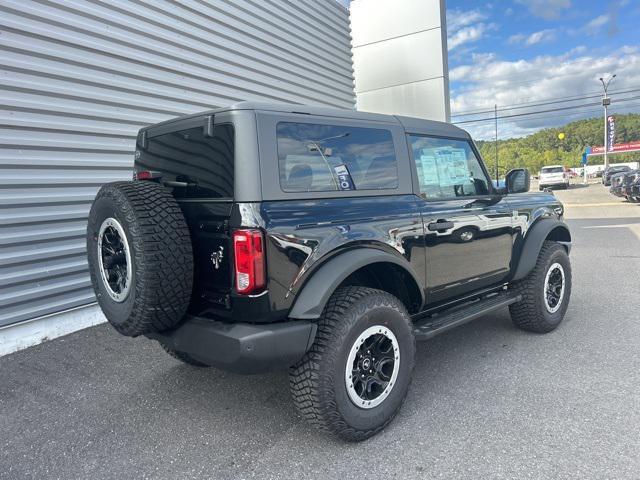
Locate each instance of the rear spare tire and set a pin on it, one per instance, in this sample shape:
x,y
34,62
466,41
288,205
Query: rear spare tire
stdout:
x,y
140,257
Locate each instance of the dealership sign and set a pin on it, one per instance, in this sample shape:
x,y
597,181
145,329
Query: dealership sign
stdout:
x,y
619,148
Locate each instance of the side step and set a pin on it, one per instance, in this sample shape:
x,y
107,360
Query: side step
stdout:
x,y
429,327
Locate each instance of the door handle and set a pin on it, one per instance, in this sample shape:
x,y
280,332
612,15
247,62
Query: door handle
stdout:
x,y
440,225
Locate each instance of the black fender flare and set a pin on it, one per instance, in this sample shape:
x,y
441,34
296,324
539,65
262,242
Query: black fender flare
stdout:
x,y
315,293
534,239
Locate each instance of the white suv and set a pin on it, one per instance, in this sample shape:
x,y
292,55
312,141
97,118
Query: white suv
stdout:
x,y
553,176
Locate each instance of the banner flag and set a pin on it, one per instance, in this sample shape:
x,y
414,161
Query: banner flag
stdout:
x,y
611,133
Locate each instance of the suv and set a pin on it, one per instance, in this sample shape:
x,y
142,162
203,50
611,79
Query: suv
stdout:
x,y
553,176
626,185
610,171
265,236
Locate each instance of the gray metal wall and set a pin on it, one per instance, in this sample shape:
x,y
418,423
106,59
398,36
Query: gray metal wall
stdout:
x,y
79,78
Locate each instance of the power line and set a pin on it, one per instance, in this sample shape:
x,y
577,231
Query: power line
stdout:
x,y
514,106
550,110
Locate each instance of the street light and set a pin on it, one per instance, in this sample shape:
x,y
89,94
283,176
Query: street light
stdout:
x,y
606,101
317,145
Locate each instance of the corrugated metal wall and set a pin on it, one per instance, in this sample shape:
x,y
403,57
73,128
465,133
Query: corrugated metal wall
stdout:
x,y
79,78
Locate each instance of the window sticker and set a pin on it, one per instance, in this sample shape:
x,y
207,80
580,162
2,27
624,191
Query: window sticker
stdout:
x,y
427,173
345,182
452,166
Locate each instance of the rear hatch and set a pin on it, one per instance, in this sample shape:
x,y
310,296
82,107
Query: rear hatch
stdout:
x,y
194,157
553,174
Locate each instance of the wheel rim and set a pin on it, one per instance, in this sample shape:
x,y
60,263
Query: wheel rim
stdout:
x,y
554,286
114,258
372,367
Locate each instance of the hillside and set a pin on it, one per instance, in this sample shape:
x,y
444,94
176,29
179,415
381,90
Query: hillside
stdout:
x,y
544,147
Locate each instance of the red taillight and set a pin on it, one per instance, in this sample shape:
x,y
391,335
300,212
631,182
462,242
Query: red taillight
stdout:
x,y
248,247
143,175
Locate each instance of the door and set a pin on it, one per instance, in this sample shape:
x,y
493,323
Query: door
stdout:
x,y
468,227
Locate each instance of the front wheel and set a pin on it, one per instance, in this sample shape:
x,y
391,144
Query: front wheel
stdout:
x,y
545,291
355,377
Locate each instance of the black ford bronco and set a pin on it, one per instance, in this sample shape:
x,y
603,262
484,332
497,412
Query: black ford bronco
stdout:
x,y
266,236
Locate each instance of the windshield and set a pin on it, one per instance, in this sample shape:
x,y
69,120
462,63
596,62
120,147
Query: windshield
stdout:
x,y
552,170
619,169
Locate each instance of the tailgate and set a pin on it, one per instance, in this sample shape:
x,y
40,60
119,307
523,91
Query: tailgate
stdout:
x,y
194,157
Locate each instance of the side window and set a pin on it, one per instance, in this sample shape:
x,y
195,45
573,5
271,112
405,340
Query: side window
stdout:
x,y
447,168
323,158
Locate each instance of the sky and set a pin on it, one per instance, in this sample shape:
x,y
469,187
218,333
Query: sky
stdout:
x,y
514,52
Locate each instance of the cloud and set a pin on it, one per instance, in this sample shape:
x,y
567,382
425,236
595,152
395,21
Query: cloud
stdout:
x,y
466,26
595,26
488,80
536,37
467,34
547,9
456,18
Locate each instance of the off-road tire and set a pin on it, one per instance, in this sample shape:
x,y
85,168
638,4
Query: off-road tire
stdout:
x,y
161,256
183,357
531,314
317,382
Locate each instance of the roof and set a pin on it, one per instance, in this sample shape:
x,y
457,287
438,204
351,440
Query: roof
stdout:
x,y
411,124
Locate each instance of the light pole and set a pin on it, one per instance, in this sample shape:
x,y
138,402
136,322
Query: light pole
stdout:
x,y
606,101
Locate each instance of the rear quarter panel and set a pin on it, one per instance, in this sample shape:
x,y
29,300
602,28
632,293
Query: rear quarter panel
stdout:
x,y
302,235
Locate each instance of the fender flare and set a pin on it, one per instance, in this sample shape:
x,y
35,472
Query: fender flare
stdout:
x,y
315,293
533,241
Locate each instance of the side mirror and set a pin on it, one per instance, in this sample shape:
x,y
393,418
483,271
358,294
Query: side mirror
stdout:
x,y
518,180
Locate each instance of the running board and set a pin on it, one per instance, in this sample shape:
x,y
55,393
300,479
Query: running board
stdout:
x,y
429,327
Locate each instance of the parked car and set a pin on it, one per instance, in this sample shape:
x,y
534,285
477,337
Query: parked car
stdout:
x,y
553,176
626,185
633,190
609,171
616,183
264,236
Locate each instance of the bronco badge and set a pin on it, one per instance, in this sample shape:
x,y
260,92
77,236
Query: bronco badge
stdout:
x,y
216,257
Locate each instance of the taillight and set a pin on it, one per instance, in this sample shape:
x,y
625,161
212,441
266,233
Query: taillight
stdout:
x,y
146,175
248,247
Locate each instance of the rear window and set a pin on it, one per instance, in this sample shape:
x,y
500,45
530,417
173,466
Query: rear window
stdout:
x,y
323,158
204,163
553,170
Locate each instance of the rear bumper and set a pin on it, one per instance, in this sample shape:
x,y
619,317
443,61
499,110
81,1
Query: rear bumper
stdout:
x,y
553,183
241,347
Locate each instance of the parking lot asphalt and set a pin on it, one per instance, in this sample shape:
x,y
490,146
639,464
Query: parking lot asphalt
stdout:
x,y
487,400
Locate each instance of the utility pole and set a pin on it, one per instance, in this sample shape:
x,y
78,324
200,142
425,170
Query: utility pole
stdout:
x,y
495,117
606,101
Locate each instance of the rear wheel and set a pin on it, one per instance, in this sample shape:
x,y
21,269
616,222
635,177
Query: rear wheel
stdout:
x,y
545,291
356,375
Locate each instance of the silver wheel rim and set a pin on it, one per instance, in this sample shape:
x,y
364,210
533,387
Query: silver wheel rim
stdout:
x,y
373,363
554,287
114,258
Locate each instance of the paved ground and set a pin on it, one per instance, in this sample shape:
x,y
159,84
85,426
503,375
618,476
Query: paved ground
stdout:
x,y
487,401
